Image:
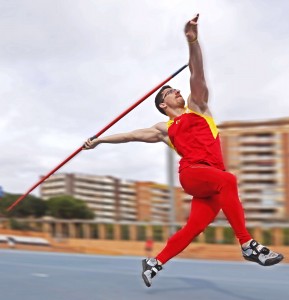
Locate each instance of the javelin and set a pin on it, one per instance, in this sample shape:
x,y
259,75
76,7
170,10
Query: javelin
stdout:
x,y
95,136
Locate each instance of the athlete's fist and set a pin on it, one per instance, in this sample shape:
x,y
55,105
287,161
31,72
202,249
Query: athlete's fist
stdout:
x,y
90,144
191,29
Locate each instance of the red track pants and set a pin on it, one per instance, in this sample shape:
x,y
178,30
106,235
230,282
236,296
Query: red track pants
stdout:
x,y
213,190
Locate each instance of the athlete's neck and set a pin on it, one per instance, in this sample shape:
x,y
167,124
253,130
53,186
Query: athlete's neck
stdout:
x,y
176,112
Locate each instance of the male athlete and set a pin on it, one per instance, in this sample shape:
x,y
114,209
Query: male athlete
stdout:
x,y
191,131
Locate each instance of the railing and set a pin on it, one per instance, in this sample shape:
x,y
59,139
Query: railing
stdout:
x,y
269,234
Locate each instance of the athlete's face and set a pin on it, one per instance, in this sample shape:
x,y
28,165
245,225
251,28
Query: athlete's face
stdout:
x,y
173,98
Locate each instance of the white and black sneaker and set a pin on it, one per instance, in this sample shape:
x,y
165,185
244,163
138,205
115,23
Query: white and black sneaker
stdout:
x,y
263,256
150,269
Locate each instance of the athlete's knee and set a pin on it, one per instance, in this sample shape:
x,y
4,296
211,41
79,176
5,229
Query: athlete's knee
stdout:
x,y
230,179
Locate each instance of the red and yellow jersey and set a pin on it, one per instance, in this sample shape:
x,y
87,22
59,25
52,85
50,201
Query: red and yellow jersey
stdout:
x,y
195,137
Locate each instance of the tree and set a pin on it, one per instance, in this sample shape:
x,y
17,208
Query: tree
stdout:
x,y
68,207
30,206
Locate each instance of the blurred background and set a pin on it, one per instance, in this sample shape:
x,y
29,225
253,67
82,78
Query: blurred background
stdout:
x,y
68,69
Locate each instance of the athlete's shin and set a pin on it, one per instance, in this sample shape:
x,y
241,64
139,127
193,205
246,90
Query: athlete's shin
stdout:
x,y
203,212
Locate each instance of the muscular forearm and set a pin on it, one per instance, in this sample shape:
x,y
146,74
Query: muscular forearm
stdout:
x,y
116,138
196,60
199,89
147,135
154,134
112,139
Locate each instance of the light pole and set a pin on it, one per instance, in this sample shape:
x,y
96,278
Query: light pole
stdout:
x,y
171,185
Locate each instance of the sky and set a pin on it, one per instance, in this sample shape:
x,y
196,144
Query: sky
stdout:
x,y
69,67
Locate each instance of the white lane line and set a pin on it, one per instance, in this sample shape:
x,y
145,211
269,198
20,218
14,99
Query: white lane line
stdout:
x,y
42,275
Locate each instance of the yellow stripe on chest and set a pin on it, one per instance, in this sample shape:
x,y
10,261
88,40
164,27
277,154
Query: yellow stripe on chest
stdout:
x,y
210,121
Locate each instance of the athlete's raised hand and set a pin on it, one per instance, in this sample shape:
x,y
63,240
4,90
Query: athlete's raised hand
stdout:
x,y
191,29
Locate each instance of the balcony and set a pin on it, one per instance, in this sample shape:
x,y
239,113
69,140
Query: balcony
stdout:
x,y
94,186
257,177
128,208
259,206
48,185
260,216
128,198
251,195
159,200
99,207
257,186
127,190
245,149
105,213
127,203
93,179
160,192
257,139
81,192
257,168
104,201
85,197
128,217
161,205
244,158
54,191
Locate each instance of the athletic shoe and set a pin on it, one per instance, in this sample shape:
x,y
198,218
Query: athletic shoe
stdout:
x,y
150,269
261,255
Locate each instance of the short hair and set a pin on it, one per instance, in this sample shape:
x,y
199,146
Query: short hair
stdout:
x,y
159,98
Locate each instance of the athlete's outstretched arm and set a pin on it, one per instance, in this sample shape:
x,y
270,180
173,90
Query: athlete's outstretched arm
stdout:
x,y
154,134
199,91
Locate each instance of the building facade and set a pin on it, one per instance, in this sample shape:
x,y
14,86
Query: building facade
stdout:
x,y
258,154
116,200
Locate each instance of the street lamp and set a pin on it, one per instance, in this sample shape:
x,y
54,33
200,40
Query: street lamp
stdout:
x,y
171,185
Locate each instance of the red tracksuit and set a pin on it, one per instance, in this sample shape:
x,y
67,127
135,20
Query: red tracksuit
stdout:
x,y
202,174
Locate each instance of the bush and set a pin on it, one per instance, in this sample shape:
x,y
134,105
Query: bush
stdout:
x,y
210,235
16,225
67,207
30,206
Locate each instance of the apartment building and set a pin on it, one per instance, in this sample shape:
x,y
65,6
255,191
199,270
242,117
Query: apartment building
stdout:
x,y
113,199
258,153
110,198
154,204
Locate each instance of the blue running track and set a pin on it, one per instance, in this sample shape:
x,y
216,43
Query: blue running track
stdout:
x,y
51,276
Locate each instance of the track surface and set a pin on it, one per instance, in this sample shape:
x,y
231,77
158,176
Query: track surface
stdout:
x,y
45,276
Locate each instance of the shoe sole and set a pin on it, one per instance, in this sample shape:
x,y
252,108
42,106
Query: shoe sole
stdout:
x,y
268,263
147,283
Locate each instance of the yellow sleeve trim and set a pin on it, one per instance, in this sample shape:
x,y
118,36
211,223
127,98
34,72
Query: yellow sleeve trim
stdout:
x,y
169,123
209,120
